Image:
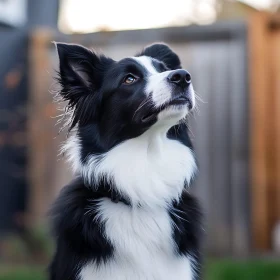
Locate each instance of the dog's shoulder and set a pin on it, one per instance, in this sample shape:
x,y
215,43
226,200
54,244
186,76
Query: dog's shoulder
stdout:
x,y
74,216
69,209
77,229
186,215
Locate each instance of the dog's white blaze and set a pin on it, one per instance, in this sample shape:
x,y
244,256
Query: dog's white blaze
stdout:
x,y
160,88
143,244
147,62
157,84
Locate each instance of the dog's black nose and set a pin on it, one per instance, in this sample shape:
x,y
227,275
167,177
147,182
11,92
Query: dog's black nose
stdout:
x,y
180,77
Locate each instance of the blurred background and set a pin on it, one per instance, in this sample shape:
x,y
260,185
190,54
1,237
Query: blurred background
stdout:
x,y
231,48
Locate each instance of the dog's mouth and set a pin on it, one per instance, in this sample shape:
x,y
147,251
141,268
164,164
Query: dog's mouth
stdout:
x,y
178,101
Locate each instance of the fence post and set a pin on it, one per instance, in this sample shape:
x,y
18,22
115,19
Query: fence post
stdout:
x,y
259,110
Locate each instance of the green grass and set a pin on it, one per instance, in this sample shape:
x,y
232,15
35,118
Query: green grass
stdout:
x,y
22,273
243,270
215,270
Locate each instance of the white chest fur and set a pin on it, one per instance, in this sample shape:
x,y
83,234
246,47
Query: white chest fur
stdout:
x,y
150,169
144,248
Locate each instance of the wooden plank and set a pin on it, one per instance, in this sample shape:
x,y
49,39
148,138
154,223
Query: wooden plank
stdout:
x,y
39,132
272,127
259,108
275,66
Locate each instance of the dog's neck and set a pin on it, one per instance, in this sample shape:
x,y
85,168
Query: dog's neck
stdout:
x,y
107,191
150,169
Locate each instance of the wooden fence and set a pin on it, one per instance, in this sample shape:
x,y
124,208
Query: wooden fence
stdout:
x,y
233,143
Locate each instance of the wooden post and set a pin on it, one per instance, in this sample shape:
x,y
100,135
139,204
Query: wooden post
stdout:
x,y
259,78
38,131
275,66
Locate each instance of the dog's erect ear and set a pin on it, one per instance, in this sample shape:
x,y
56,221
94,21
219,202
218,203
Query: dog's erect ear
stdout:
x,y
79,66
163,53
80,76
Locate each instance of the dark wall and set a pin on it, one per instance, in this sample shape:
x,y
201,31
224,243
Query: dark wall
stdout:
x,y
13,138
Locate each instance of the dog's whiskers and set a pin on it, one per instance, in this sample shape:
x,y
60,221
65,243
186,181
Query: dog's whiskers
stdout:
x,y
142,104
199,98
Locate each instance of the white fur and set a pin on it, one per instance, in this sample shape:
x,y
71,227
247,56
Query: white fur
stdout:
x,y
72,149
146,62
143,243
150,169
160,88
192,94
157,83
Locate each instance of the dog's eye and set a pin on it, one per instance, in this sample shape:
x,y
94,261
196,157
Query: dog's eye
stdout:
x,y
129,79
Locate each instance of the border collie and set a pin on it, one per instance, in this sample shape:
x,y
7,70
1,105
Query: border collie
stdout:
x,y
127,215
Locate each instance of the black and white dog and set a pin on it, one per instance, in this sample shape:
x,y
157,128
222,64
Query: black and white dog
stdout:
x,y
128,214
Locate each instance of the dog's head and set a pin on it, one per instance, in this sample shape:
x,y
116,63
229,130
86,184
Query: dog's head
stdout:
x,y
123,99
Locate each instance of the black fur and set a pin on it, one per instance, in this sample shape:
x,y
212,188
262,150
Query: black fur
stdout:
x,y
80,76
163,53
186,215
79,236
